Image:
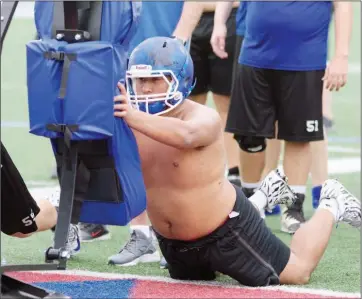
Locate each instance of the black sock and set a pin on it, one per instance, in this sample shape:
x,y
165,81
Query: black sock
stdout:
x,y
234,171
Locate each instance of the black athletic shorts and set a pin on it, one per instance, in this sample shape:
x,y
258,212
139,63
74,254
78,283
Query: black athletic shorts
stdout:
x,y
212,73
243,248
262,96
238,43
18,208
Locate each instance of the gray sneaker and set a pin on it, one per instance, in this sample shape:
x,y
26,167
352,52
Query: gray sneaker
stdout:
x,y
138,249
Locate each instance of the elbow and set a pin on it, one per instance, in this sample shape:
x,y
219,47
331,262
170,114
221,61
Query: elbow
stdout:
x,y
188,139
193,139
189,142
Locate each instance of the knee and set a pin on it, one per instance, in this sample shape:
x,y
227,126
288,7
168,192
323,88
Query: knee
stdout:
x,y
296,272
296,278
302,277
250,144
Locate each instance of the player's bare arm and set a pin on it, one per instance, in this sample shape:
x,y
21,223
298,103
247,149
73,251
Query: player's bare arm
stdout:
x,y
200,128
191,14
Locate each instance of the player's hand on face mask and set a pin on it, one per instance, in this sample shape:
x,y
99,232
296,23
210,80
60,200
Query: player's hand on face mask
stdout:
x,y
218,38
122,107
335,76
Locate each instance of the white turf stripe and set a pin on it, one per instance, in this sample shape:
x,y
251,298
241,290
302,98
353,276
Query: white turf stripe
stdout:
x,y
320,292
344,165
42,193
41,183
342,149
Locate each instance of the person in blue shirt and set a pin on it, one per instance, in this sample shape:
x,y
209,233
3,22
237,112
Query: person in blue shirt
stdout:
x,y
281,72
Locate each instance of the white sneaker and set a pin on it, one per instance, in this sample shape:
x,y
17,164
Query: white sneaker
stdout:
x,y
349,207
73,243
276,189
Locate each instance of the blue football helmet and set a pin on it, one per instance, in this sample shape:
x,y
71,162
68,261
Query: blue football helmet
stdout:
x,y
165,58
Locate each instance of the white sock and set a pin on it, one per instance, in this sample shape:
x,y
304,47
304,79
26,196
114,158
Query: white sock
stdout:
x,y
330,205
259,200
298,189
250,185
143,228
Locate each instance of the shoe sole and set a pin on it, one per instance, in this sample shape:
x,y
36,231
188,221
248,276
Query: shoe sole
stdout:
x,y
144,259
74,253
281,201
101,238
285,229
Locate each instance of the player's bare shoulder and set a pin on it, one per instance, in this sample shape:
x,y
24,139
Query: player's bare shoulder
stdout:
x,y
196,110
204,121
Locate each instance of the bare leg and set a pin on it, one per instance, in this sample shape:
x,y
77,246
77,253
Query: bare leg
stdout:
x,y
141,219
296,167
232,149
311,239
251,166
319,167
297,162
307,248
272,153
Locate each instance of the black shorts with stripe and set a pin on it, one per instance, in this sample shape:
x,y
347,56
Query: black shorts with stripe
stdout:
x,y
243,248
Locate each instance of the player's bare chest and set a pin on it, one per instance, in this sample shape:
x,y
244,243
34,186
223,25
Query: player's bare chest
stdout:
x,y
155,155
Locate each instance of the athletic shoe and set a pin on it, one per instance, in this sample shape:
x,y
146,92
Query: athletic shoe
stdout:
x,y
138,249
93,232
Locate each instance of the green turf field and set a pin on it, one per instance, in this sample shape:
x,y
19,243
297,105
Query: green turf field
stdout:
x,y
340,268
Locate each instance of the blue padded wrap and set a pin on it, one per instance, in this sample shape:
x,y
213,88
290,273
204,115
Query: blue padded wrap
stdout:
x,y
91,84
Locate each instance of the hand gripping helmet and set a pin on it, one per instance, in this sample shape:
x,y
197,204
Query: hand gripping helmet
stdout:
x,y
165,58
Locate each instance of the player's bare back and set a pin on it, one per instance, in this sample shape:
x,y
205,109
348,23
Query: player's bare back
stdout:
x,y
188,195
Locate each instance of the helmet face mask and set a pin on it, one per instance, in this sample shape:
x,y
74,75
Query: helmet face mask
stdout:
x,y
154,103
166,65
